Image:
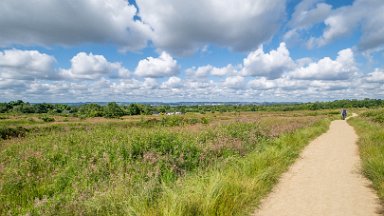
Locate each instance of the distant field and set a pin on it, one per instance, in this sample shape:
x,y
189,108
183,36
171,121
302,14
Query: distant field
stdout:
x,y
211,164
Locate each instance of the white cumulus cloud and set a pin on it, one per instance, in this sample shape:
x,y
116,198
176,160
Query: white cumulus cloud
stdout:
x,y
271,65
11,84
90,66
209,70
163,66
262,84
172,82
26,65
49,22
307,14
342,68
234,82
150,83
377,76
365,15
183,27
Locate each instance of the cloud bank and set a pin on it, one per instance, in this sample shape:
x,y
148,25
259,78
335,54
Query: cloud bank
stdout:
x,y
261,76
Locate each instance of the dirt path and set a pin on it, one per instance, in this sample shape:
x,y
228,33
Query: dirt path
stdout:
x,y
326,181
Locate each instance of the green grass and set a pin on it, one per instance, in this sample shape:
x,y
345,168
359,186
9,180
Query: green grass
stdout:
x,y
17,122
236,186
370,128
175,166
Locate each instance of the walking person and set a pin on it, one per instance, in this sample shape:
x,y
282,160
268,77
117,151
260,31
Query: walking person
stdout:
x,y
343,114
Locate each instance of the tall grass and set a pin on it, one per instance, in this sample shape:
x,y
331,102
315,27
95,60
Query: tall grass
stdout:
x,y
164,168
236,186
370,128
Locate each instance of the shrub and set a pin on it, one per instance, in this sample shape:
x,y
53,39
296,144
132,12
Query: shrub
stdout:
x,y
47,119
193,121
172,121
6,133
204,120
375,115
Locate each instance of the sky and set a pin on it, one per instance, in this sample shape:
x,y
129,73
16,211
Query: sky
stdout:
x,y
60,51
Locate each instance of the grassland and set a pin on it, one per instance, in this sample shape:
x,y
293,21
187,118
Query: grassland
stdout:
x,y
195,164
370,128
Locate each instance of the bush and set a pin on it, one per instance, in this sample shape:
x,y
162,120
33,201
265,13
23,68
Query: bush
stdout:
x,y
172,121
6,133
204,120
47,119
375,115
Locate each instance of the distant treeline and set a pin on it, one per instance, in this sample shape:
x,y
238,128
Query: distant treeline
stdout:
x,y
112,110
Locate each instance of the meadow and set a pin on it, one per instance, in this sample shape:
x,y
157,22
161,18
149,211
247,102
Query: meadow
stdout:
x,y
369,125
192,164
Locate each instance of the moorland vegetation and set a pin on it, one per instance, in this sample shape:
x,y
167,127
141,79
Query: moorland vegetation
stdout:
x,y
58,159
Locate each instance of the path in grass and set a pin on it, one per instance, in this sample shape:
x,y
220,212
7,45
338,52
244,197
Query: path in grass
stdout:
x,y
325,181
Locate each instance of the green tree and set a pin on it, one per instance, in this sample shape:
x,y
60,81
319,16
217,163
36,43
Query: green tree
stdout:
x,y
113,110
134,109
91,110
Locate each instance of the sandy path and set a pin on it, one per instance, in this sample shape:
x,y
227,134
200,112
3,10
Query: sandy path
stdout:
x,y
325,181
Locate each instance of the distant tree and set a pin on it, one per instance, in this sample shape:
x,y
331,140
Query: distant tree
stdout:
x,y
5,107
60,108
113,110
183,109
91,110
43,108
27,108
253,108
146,110
16,103
134,109
162,109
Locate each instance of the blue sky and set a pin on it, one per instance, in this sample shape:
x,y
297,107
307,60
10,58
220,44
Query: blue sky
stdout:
x,y
202,50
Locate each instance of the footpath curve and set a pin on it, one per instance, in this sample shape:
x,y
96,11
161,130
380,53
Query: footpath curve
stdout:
x,y
325,181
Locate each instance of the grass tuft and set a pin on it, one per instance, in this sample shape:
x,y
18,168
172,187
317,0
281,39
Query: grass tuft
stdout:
x,y
370,128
